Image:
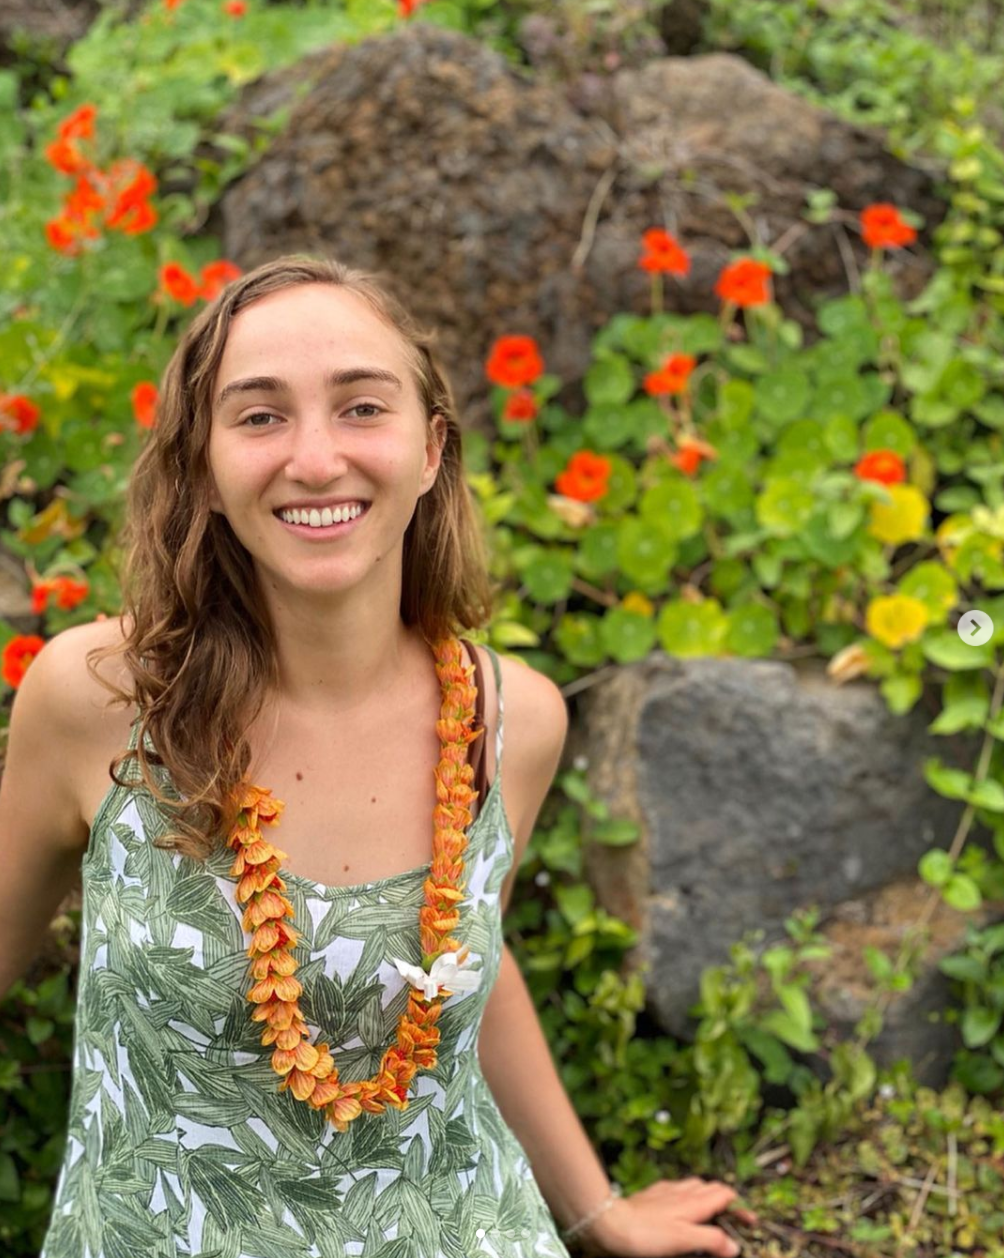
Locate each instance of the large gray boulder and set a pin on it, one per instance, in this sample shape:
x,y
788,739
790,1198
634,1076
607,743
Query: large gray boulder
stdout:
x,y
761,788
495,205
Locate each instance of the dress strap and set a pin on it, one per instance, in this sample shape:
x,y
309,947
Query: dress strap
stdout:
x,y
498,690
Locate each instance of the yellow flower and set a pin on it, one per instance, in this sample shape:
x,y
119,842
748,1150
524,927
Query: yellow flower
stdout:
x,y
895,619
637,602
903,519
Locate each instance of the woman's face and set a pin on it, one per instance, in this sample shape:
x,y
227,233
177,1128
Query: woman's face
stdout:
x,y
315,400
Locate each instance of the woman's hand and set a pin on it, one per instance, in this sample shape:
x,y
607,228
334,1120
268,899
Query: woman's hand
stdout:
x,y
663,1220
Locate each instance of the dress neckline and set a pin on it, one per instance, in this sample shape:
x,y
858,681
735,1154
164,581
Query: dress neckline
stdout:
x,y
327,889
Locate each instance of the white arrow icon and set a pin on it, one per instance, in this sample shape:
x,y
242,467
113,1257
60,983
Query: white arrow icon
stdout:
x,y
975,627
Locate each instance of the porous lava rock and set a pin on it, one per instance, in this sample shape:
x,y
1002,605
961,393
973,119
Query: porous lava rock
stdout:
x,y
493,205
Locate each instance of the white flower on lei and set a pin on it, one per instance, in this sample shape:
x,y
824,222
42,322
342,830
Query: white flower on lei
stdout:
x,y
448,970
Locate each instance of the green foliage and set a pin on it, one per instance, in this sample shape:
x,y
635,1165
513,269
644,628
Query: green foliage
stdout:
x,y
776,544
979,973
36,1041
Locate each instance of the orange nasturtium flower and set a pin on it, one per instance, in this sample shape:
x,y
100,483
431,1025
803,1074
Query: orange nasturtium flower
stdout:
x,y
17,413
882,227
520,406
405,8
661,251
17,656
672,377
67,591
144,403
63,153
129,183
80,124
235,8
514,361
179,283
744,283
896,619
692,450
62,236
64,156
884,466
216,276
116,198
585,477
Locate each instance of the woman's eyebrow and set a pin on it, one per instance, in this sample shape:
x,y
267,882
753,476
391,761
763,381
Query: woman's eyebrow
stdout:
x,y
272,384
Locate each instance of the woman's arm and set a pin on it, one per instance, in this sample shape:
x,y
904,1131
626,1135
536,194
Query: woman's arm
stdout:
x,y
517,1063
43,836
515,1057
665,1218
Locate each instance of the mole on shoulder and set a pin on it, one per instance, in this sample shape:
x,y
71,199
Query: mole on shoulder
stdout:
x,y
299,776
373,800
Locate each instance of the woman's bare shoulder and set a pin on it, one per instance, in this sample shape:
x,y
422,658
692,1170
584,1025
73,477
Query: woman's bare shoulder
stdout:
x,y
532,701
84,691
95,731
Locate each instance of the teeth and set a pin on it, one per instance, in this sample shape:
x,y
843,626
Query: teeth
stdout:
x,y
320,519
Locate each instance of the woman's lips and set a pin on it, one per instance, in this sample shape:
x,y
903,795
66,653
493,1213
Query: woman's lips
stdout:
x,y
324,531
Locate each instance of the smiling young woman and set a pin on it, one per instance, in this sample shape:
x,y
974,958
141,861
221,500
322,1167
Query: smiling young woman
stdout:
x,y
296,1013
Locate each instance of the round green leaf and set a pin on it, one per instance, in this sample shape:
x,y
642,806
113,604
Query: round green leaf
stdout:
x,y
782,396
578,637
806,436
936,867
901,692
839,393
752,630
747,358
627,635
646,419
728,576
842,518
692,629
645,553
735,403
888,430
960,892
823,544
608,427
674,506
727,490
597,552
840,433
609,381
844,314
934,586
784,506
548,576
621,486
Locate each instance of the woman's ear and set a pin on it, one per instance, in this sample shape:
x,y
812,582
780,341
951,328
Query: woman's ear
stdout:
x,y
434,447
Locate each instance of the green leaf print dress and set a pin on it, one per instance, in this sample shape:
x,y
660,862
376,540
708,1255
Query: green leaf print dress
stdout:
x,y
179,1142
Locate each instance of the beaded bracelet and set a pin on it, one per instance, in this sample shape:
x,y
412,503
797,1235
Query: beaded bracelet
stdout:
x,y
583,1223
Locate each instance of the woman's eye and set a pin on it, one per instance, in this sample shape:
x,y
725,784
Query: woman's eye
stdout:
x,y
360,406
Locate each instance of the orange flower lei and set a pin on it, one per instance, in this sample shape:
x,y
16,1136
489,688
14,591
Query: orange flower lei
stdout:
x,y
309,1070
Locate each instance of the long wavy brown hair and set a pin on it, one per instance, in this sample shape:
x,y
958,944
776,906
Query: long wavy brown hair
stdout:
x,y
198,640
